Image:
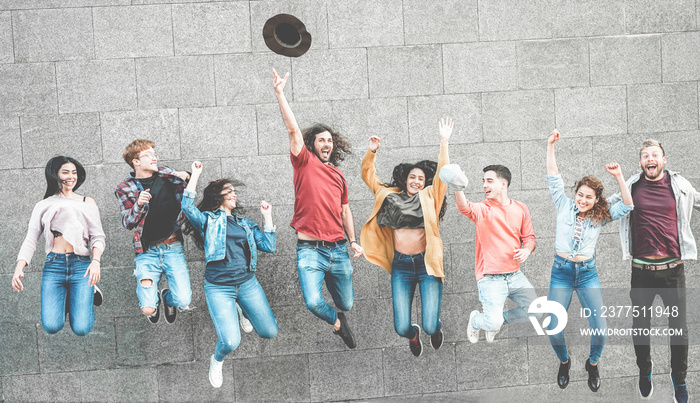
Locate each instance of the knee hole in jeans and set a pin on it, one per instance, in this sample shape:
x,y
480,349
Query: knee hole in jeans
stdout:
x,y
146,283
148,311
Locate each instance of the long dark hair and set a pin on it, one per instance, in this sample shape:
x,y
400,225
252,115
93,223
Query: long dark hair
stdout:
x,y
400,176
54,185
341,146
211,201
599,211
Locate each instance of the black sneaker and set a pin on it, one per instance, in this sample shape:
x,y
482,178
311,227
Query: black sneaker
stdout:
x,y
680,392
593,376
436,339
646,389
153,318
98,297
414,343
563,375
170,312
344,332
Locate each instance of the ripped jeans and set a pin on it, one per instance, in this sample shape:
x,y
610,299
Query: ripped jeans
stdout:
x,y
151,264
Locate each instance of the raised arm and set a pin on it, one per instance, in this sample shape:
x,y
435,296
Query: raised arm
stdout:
x,y
194,178
445,126
369,172
551,159
265,240
296,141
195,217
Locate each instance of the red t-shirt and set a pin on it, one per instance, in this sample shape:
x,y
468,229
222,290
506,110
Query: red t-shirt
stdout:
x,y
319,192
654,219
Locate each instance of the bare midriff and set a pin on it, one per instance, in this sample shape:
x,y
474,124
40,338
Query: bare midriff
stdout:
x,y
60,245
305,237
409,241
654,257
577,258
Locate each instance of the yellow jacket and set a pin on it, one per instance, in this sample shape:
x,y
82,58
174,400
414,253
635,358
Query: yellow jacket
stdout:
x,y
378,242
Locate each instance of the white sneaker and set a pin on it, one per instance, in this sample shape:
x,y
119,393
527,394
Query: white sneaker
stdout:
x,y
246,326
491,334
472,334
216,375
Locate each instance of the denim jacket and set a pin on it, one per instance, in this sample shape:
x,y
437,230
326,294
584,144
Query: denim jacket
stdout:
x,y
566,220
212,227
686,198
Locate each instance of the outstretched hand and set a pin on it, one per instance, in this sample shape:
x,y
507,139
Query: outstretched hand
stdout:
x,y
614,169
374,143
445,126
553,136
279,83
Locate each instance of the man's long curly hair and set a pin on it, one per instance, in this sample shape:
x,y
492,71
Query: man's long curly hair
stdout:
x,y
599,212
211,201
400,176
341,146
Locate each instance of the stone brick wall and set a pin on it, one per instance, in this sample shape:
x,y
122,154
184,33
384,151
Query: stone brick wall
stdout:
x,y
85,77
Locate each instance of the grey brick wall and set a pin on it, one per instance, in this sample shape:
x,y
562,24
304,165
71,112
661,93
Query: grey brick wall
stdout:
x,y
85,77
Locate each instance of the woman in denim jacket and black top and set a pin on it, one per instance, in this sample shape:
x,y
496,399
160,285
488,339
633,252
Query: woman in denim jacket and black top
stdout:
x,y
402,236
579,223
230,245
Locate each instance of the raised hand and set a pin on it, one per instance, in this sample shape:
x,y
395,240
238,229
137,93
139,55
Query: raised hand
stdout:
x,y
614,169
374,143
445,126
196,168
279,83
265,209
553,136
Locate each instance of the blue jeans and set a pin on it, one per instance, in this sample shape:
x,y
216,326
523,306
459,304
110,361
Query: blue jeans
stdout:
x,y
64,275
406,272
568,276
221,301
493,291
332,264
151,264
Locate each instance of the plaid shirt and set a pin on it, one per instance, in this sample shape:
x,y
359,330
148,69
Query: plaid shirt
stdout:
x,y
134,216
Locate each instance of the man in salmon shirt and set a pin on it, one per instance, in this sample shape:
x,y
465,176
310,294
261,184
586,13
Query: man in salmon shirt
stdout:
x,y
322,217
504,239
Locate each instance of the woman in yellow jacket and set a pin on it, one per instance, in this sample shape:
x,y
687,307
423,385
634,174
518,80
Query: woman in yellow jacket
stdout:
x,y
402,236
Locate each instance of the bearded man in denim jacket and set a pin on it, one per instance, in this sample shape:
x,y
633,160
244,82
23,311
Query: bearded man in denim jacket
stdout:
x,y
658,238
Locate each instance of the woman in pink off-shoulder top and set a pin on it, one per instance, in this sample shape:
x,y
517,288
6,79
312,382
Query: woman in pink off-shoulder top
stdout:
x,y
73,231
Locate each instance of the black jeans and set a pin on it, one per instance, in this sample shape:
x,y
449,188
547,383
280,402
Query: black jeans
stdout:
x,y
670,285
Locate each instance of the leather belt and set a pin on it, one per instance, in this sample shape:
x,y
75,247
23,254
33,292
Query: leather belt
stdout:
x,y
321,243
169,240
657,267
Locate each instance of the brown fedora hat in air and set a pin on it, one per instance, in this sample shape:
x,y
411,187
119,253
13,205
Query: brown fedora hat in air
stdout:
x,y
287,36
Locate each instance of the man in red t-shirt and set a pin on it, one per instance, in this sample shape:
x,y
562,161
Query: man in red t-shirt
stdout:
x,y
322,217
